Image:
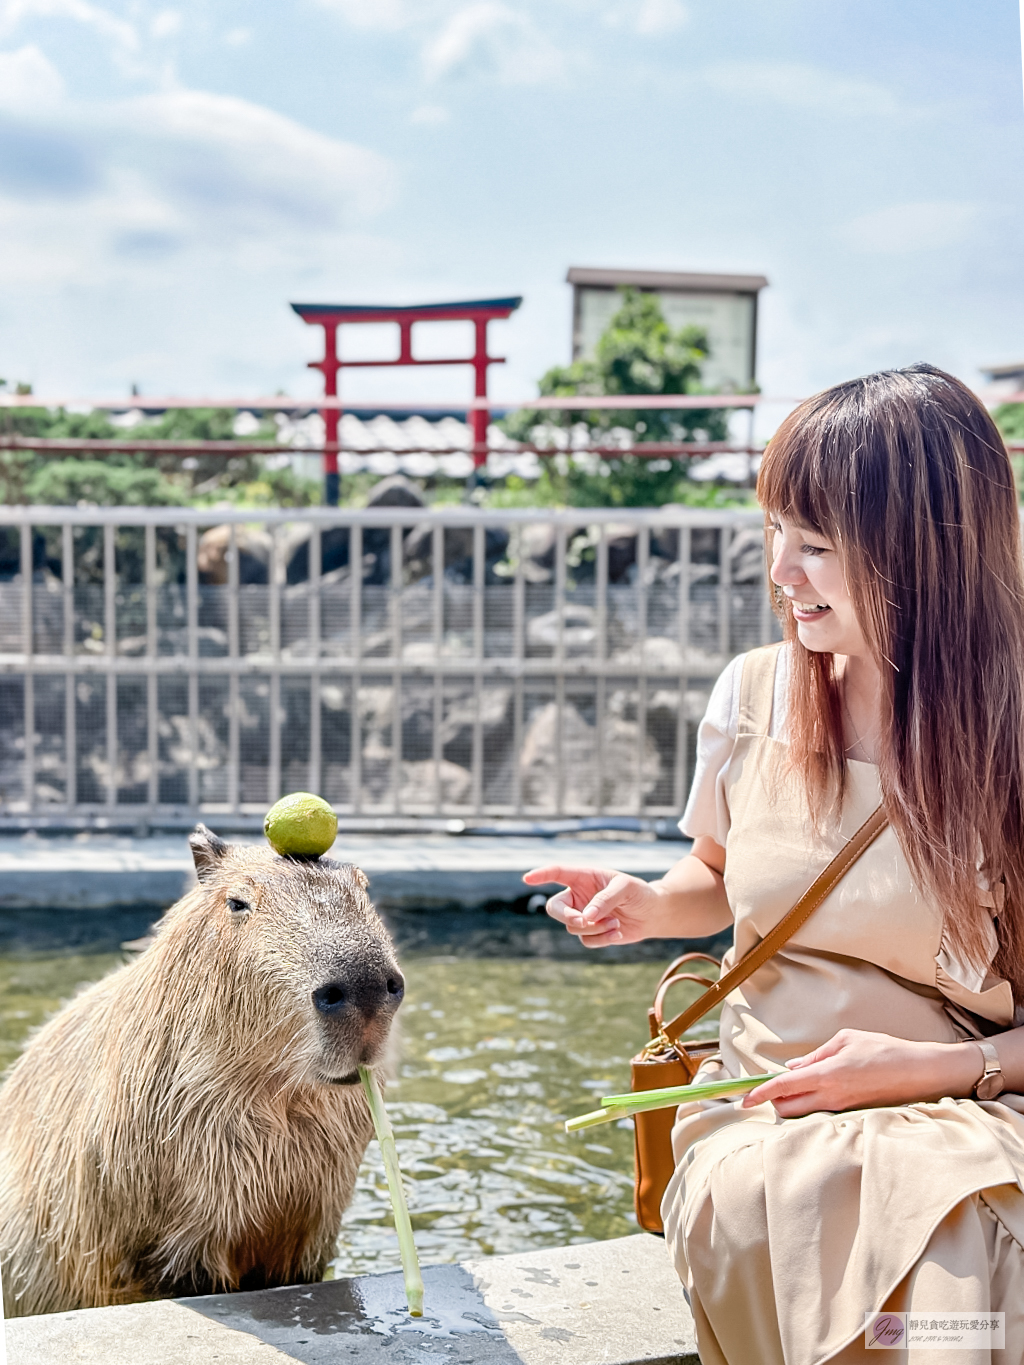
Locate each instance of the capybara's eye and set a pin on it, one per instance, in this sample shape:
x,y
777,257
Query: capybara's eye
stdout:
x,y
238,906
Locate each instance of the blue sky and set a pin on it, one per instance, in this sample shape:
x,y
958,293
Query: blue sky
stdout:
x,y
171,175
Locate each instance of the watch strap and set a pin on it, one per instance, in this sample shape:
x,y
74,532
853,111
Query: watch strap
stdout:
x,y
991,1082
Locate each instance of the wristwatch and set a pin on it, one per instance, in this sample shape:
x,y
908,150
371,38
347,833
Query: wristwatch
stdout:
x,y
991,1083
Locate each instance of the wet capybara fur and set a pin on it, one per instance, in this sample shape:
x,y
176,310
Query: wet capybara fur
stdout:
x,y
193,1123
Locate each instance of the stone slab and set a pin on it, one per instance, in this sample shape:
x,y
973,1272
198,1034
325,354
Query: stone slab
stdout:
x,y
602,1303
99,871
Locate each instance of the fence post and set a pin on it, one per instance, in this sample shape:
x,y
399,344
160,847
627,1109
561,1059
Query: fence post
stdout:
x,y
28,685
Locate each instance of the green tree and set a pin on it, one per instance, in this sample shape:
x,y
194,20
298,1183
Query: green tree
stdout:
x,y
58,483
121,475
638,353
1009,418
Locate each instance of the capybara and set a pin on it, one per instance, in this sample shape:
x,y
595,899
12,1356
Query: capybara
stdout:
x,y
193,1123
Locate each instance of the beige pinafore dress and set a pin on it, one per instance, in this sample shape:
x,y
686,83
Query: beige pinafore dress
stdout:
x,y
785,1232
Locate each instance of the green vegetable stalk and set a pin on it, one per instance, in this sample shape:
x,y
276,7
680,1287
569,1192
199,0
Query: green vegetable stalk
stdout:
x,y
406,1245
640,1101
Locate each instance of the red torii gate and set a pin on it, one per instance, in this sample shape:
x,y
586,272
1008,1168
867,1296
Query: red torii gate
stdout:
x,y
330,316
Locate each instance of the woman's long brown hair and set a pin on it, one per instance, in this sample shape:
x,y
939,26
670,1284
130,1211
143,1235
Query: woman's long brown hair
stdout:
x,y
906,474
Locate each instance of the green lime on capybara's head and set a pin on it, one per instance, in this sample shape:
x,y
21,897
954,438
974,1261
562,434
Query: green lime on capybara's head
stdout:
x,y
301,826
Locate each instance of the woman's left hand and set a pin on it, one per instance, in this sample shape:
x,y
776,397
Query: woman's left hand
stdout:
x,y
859,1070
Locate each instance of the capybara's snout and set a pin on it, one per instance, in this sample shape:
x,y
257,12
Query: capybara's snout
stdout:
x,y
368,989
354,1001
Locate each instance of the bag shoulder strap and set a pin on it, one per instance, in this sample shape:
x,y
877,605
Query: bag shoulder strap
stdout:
x,y
757,690
822,885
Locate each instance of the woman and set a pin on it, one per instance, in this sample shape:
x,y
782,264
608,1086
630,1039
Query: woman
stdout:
x,y
877,1169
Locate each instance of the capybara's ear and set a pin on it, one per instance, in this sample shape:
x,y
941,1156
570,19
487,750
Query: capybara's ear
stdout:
x,y
361,877
207,851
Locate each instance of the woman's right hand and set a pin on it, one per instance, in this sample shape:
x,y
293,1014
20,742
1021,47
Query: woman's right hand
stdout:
x,y
598,905
602,907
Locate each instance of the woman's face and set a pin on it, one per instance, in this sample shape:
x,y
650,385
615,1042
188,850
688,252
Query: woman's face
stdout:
x,y
808,569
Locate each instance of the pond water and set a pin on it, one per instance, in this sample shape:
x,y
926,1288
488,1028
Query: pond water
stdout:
x,y
508,1028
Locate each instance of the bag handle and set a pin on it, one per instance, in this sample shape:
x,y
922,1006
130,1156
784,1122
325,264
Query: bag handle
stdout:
x,y
674,967
822,885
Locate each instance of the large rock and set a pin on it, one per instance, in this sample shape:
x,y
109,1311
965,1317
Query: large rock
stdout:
x,y
334,541
539,761
578,625
394,491
418,552
252,546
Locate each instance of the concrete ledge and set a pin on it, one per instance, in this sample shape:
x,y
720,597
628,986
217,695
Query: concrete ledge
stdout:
x,y
617,1303
97,871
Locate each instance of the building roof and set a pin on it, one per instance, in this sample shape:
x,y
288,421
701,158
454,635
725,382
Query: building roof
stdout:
x,y
995,372
682,281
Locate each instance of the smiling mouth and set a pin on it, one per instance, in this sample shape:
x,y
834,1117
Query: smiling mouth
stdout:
x,y
808,610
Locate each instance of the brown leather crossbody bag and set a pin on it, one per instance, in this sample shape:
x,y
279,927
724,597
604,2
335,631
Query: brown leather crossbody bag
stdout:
x,y
667,1060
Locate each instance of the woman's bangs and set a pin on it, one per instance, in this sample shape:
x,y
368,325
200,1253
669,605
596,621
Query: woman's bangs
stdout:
x,y
790,482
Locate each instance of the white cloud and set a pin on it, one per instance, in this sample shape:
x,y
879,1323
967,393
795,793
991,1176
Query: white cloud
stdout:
x,y
159,238
15,12
238,37
28,80
429,114
129,187
661,16
904,228
375,14
496,38
801,87
489,36
231,153
166,23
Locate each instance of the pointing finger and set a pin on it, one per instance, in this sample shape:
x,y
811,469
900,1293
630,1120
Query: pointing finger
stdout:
x,y
565,876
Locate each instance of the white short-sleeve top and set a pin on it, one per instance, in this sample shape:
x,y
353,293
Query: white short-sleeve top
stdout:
x,y
707,811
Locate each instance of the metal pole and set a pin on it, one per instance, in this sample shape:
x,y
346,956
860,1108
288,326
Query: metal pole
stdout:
x,y
355,621
724,592
395,623
28,695
110,632
601,699
518,654
643,554
313,629
437,752
70,700
560,538
274,761
683,635
234,698
192,619
152,690
477,761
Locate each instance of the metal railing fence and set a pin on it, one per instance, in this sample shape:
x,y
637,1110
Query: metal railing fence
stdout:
x,y
159,665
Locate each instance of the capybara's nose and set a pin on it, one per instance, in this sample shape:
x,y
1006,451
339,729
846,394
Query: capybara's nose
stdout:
x,y
370,993
330,999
